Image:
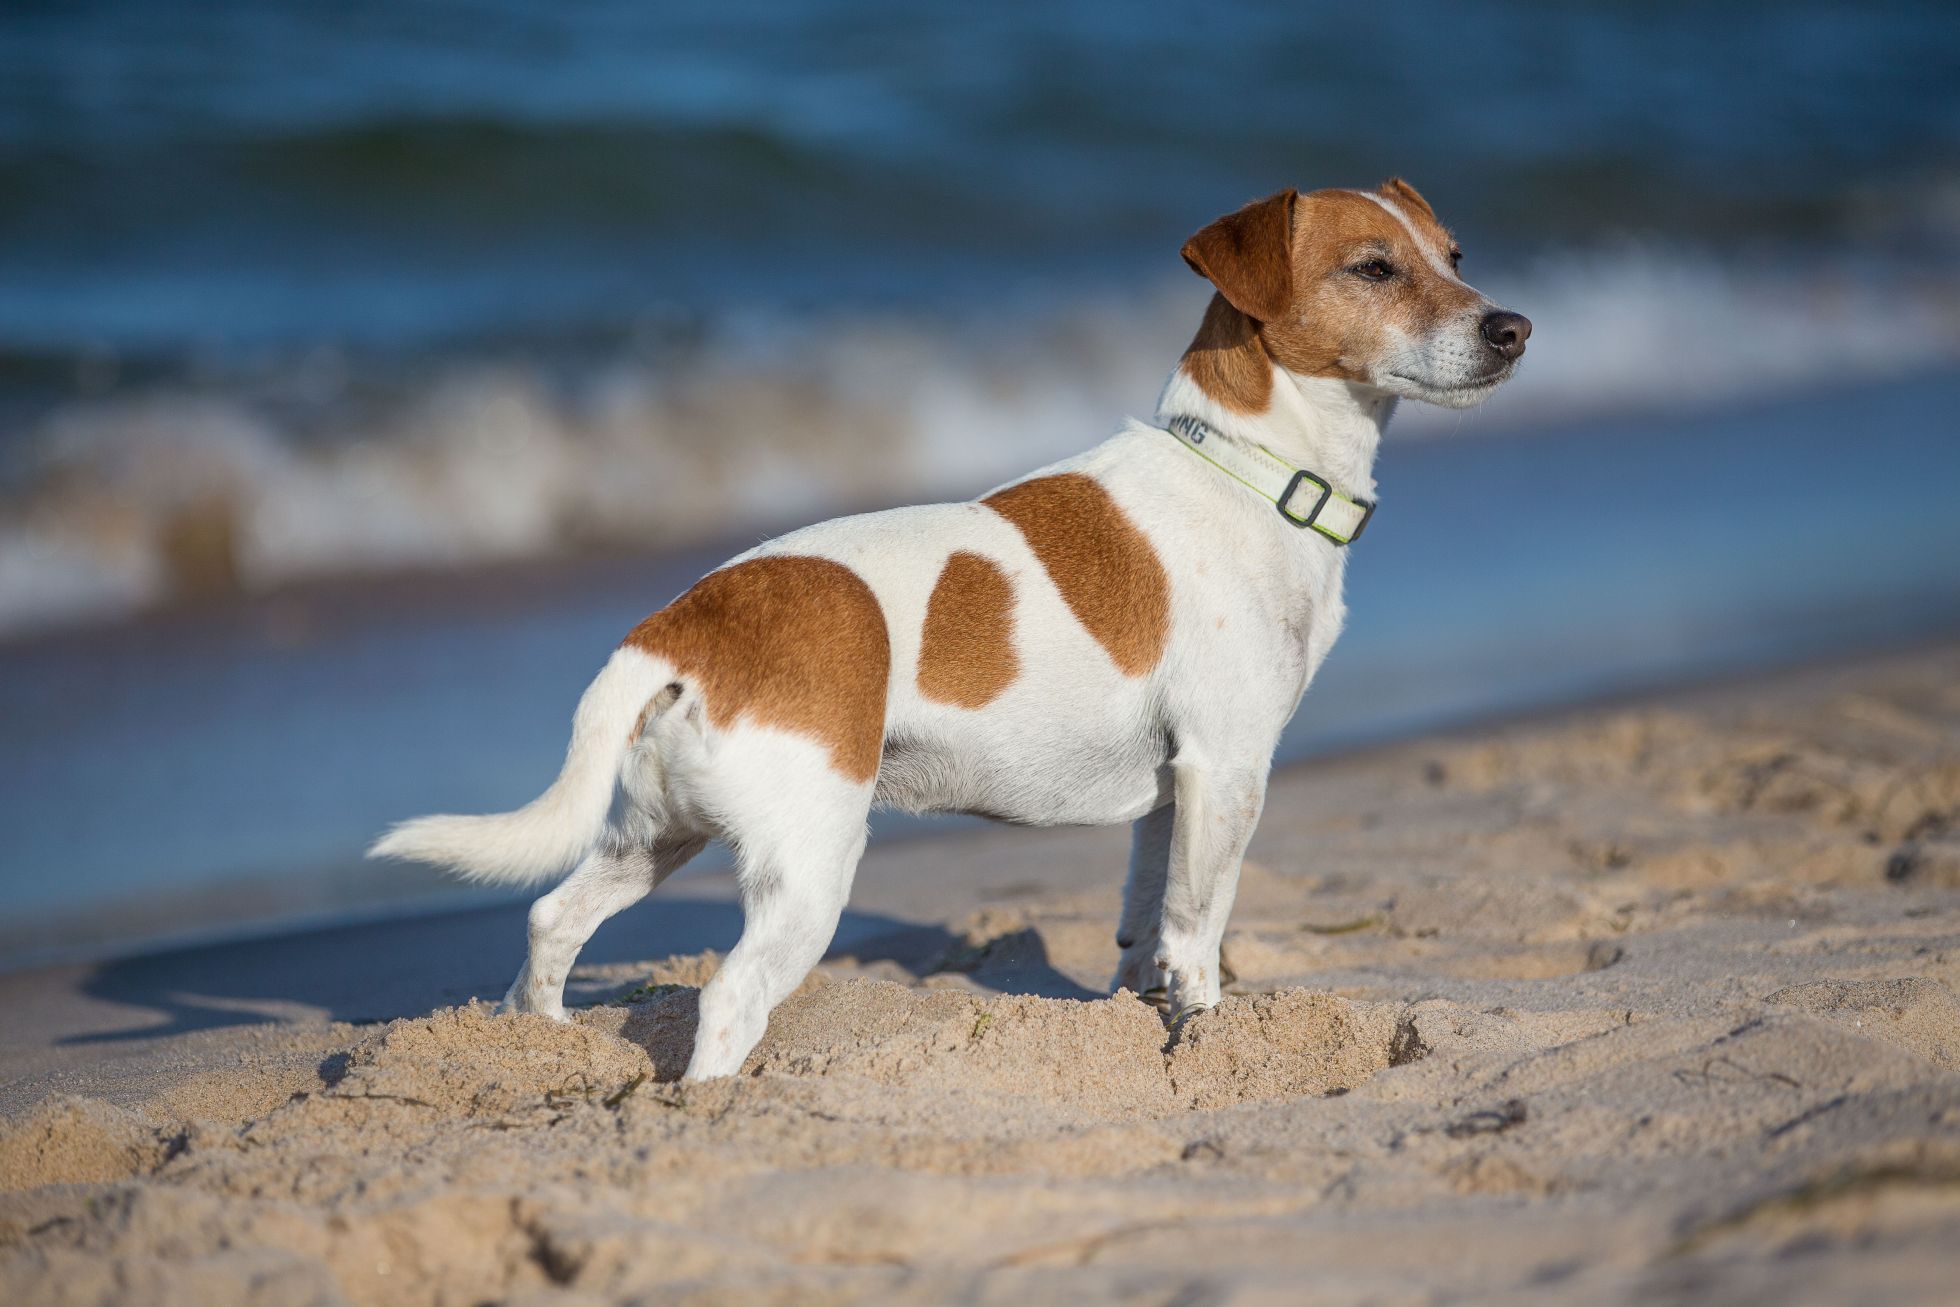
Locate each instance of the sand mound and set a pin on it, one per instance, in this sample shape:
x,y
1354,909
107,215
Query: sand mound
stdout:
x,y
1105,1058
469,1060
1866,786
77,1141
1645,1006
186,1247
861,1090
1286,1045
1915,1013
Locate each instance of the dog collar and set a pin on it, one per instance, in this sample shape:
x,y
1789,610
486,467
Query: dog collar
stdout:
x,y
1302,498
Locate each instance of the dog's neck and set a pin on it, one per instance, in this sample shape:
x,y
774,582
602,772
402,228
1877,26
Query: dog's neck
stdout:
x,y
1229,381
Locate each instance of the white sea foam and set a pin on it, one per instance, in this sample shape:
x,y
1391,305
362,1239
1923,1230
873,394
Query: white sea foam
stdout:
x,y
1650,329
118,503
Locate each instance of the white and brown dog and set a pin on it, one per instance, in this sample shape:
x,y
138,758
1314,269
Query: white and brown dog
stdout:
x,y
1119,637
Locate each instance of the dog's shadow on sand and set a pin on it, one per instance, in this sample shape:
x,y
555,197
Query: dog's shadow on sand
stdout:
x,y
407,966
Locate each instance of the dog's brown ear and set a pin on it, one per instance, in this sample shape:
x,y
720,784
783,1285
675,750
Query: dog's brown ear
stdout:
x,y
1397,189
1248,255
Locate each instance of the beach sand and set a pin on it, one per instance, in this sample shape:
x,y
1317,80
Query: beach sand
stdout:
x,y
1649,1002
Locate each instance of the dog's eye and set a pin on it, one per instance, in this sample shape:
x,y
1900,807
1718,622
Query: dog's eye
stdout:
x,y
1456,255
1373,270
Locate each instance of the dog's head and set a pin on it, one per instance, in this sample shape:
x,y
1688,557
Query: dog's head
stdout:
x,y
1361,286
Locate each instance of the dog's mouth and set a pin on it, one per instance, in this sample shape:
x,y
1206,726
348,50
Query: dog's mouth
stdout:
x,y
1456,394
1496,376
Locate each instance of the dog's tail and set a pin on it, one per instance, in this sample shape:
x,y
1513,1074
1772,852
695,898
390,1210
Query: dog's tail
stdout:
x,y
548,835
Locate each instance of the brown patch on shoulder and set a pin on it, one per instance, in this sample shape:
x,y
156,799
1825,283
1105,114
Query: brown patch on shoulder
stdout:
x,y
786,641
966,653
1108,574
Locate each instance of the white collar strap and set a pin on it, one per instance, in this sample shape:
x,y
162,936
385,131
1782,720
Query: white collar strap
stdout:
x,y
1302,498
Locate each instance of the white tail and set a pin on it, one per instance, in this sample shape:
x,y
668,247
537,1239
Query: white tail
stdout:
x,y
548,835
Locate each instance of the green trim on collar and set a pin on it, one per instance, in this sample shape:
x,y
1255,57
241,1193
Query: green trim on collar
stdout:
x,y
1252,464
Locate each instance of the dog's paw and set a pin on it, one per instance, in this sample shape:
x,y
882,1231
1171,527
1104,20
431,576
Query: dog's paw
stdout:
x,y
520,1001
1140,974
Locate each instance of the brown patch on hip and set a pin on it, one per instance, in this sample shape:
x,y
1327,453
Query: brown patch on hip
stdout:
x,y
785,641
966,654
1102,563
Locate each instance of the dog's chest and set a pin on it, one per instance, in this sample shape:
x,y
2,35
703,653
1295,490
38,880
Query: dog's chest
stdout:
x,y
1262,607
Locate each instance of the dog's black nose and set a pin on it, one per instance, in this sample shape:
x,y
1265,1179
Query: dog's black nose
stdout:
x,y
1507,332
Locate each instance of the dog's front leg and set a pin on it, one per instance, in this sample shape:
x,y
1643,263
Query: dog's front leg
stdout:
x,y
1216,810
1137,933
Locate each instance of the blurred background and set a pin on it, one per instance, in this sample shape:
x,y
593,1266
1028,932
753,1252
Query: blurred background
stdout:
x,y
367,368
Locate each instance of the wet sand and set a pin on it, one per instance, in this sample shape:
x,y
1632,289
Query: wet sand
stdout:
x,y
1653,1002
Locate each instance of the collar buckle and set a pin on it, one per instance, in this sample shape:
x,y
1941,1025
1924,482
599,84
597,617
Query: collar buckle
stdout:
x,y
1258,469
1312,515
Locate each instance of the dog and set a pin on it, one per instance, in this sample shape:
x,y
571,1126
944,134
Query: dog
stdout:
x,y
1118,637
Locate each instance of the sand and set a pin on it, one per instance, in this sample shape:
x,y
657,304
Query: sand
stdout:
x,y
1651,1002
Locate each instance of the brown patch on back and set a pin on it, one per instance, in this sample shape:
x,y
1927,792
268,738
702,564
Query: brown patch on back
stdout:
x,y
786,641
966,653
1104,566
1334,323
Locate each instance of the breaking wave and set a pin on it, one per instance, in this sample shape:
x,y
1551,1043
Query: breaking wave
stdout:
x,y
324,464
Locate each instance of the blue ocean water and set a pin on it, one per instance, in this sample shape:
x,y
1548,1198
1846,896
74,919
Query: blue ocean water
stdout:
x,y
1502,574
236,174
295,290
291,289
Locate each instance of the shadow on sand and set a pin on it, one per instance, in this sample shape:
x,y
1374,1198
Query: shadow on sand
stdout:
x,y
406,966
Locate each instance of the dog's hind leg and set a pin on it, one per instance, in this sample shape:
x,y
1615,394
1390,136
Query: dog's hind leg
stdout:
x,y
607,881
798,859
